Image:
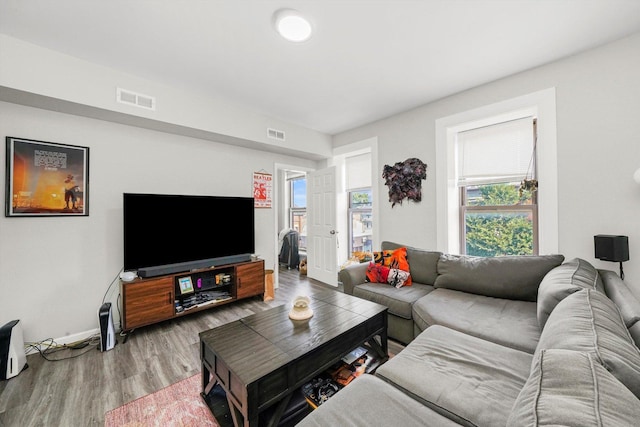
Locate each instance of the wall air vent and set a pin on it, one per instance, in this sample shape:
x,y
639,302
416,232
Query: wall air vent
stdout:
x,y
275,134
135,99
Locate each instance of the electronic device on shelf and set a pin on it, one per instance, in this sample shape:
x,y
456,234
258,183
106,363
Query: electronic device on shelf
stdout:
x,y
200,232
185,285
128,276
192,298
354,355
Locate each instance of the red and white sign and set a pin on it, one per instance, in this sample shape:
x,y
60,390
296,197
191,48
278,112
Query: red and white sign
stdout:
x,y
262,189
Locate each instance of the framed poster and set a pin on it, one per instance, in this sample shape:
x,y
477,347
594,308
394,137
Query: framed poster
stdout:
x,y
46,179
262,188
186,285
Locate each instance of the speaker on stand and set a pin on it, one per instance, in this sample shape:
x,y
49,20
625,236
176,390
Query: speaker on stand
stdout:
x,y
13,359
612,248
107,331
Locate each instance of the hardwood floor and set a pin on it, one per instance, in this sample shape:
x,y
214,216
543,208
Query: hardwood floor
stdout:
x,y
78,391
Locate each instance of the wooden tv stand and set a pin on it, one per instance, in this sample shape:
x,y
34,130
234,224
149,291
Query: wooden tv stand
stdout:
x,y
152,300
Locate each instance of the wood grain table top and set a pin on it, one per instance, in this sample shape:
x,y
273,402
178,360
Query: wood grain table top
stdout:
x,y
261,343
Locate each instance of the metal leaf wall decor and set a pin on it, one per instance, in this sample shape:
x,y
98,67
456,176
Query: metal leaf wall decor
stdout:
x,y
404,179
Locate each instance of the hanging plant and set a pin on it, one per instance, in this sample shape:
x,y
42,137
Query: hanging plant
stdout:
x,y
404,180
529,183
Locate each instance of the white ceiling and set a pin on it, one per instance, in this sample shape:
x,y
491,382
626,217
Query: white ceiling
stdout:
x,y
366,60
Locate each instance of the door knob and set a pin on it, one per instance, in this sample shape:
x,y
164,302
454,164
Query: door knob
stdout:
x,y
333,232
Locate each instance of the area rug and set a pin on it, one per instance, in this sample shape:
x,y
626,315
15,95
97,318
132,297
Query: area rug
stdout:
x,y
179,404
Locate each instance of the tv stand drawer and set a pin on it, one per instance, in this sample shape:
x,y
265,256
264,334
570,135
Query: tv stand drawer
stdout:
x,y
249,279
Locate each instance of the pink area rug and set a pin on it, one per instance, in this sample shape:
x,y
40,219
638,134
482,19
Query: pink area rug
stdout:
x,y
179,404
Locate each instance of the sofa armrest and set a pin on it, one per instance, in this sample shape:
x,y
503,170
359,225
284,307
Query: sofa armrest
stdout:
x,y
621,294
352,276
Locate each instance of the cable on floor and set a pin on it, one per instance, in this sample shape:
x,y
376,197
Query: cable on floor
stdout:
x,y
48,347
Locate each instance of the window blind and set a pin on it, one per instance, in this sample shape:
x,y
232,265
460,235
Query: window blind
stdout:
x,y
358,171
497,153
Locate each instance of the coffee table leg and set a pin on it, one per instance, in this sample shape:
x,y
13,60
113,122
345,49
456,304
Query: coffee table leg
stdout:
x,y
382,347
207,381
385,342
236,415
275,418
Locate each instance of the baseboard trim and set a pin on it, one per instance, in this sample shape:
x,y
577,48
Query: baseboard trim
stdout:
x,y
69,339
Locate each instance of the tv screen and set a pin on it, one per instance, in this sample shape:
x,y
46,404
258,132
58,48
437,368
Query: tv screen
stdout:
x,y
163,229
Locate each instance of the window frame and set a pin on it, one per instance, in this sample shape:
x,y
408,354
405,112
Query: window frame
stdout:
x,y
464,209
541,104
532,208
351,210
294,211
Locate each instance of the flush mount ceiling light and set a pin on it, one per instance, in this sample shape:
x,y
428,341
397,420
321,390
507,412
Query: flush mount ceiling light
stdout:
x,y
291,25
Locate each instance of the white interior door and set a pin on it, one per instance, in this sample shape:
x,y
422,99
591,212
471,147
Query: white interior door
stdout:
x,y
322,261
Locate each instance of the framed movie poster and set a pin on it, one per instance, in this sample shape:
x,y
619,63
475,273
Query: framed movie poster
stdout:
x,y
46,179
262,187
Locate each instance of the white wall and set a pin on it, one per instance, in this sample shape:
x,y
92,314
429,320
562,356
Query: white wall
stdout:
x,y
28,71
598,141
54,271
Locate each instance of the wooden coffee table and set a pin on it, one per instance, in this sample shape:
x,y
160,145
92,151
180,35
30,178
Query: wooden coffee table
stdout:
x,y
260,360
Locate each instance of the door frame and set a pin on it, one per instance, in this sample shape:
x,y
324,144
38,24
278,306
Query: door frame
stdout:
x,y
369,145
278,198
339,153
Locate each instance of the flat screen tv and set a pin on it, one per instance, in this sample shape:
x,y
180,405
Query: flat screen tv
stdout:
x,y
165,234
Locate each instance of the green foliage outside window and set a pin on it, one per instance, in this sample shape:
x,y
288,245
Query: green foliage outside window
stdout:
x,y
499,233
498,195
361,199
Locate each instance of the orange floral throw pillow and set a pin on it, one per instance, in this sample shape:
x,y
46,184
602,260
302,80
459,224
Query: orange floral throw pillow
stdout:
x,y
382,257
396,259
377,273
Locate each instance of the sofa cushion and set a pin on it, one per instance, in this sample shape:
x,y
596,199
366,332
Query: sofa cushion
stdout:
x,y
562,281
570,388
398,301
508,322
473,381
618,291
589,321
510,277
423,265
369,401
635,333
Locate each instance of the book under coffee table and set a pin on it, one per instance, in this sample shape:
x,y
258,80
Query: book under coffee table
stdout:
x,y
262,359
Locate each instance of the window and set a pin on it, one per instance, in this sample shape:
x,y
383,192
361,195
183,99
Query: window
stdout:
x,y
542,106
360,220
360,202
498,189
298,209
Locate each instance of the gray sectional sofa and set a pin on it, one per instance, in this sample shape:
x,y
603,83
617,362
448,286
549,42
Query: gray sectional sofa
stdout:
x,y
507,341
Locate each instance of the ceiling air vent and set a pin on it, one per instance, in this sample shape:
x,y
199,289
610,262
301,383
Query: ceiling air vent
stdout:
x,y
136,99
275,134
